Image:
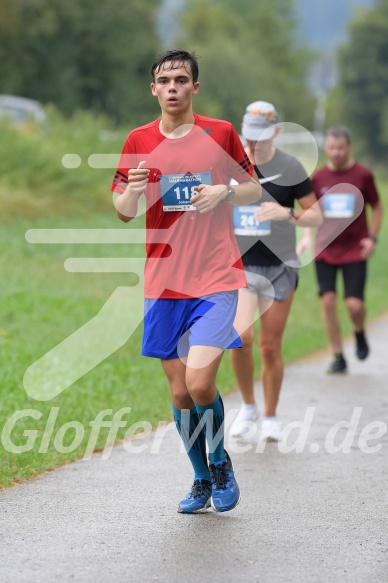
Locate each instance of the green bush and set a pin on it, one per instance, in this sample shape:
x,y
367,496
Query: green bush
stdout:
x,y
33,180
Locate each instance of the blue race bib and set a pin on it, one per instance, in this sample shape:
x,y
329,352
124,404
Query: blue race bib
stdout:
x,y
178,189
338,206
244,222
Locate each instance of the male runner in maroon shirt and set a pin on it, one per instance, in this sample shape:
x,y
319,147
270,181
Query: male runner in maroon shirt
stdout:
x,y
347,187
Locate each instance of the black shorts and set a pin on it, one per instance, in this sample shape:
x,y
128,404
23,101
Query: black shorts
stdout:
x,y
354,276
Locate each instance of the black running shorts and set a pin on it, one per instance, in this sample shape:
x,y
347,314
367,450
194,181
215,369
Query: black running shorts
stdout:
x,y
354,276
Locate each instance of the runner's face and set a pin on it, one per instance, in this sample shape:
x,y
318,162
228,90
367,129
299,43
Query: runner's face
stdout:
x,y
174,88
260,149
337,150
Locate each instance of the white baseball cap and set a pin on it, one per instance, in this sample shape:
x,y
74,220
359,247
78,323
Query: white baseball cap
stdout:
x,y
259,121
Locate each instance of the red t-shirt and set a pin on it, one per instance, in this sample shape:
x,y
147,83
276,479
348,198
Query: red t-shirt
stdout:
x,y
343,196
188,253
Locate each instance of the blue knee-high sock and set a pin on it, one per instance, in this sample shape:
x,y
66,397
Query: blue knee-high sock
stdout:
x,y
213,415
186,423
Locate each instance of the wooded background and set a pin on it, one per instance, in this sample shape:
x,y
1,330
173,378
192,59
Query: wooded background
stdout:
x,y
88,55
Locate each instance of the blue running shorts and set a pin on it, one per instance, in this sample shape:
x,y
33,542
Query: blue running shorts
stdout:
x,y
171,326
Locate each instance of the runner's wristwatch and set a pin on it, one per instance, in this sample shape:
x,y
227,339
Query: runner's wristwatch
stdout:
x,y
373,237
231,193
291,212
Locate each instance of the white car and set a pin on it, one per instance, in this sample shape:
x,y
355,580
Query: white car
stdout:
x,y
21,110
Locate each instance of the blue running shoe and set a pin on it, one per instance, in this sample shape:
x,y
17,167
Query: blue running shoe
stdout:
x,y
198,499
225,491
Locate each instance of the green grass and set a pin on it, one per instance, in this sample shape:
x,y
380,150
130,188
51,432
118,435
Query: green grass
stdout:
x,y
42,304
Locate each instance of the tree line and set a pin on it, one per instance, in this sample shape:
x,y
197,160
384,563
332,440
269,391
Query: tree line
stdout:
x,y
83,54
97,55
363,86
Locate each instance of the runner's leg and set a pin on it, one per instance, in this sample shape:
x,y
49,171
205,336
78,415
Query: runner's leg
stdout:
x,y
201,384
242,358
273,323
354,283
186,417
331,322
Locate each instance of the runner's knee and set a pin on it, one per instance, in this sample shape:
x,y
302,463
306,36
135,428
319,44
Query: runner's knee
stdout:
x,y
329,300
199,386
355,305
180,395
247,337
269,351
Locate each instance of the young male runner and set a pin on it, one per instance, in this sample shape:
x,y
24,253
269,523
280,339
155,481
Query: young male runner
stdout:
x,y
183,163
340,181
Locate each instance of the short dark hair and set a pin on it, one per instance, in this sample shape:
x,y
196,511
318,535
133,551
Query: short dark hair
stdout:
x,y
179,58
339,132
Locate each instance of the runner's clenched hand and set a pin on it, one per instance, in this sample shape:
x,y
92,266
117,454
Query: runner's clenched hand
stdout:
x,y
208,197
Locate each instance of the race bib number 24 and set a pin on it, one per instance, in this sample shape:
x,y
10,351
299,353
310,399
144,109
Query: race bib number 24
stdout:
x,y
245,223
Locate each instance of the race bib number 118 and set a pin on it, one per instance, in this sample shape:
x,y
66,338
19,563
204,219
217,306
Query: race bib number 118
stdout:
x,y
177,190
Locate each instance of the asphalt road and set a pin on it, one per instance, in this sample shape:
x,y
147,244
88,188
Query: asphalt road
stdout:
x,y
318,513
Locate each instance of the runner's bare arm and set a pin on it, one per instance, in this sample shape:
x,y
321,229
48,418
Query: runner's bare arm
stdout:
x,y
127,203
368,243
309,216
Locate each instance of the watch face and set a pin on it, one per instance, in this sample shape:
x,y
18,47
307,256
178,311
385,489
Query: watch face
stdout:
x,y
231,193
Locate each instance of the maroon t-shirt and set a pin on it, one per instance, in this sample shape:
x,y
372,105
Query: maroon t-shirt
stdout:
x,y
343,196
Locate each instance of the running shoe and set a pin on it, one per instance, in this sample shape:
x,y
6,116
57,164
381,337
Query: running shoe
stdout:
x,y
225,491
198,499
338,365
362,348
242,422
270,429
